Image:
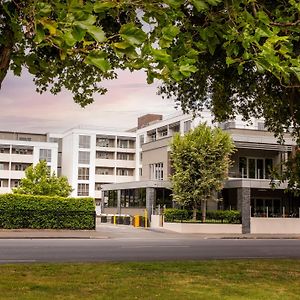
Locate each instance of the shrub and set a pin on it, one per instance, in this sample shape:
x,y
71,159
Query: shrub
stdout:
x,y
174,214
226,216
29,211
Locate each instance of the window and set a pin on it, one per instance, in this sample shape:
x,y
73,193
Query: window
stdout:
x,y
103,171
83,157
256,168
142,140
15,183
123,172
3,166
19,167
45,154
84,141
103,155
187,126
23,151
124,156
23,138
102,142
164,132
156,171
83,173
3,183
83,189
243,167
123,144
152,137
4,149
98,186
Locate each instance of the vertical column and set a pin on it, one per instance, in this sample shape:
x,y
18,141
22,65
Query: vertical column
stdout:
x,y
150,200
243,205
119,201
102,201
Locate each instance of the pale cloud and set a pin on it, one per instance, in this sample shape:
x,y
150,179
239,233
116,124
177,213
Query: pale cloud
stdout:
x,y
128,97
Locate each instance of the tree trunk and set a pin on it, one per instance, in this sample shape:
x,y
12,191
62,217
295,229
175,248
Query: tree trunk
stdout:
x,y
5,54
6,48
203,210
195,209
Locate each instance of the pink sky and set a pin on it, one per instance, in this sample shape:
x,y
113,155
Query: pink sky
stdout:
x,y
128,97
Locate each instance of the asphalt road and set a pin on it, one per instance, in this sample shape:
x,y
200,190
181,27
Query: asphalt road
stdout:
x,y
142,249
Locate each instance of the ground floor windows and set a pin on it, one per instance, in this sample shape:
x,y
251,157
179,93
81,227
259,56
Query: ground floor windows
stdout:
x,y
133,198
136,198
266,207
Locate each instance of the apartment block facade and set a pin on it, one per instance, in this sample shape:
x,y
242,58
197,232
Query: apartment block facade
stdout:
x,y
20,150
129,171
247,189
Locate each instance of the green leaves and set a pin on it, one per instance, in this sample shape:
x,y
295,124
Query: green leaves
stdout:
x,y
200,161
99,60
97,33
132,34
202,5
100,7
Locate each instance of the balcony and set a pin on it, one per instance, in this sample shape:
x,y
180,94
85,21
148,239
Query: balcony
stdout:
x,y
22,158
104,178
17,174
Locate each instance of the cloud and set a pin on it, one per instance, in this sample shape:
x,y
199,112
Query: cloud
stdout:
x,y
127,98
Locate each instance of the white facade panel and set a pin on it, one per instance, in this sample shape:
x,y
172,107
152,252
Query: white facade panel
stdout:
x,y
105,178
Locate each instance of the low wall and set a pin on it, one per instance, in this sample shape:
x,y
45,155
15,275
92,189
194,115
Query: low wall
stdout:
x,y
203,228
156,221
275,225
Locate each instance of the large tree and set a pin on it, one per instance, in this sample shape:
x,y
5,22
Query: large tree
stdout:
x,y
242,55
232,56
38,180
200,159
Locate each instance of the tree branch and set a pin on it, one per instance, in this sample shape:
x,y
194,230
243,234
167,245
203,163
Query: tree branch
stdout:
x,y
287,24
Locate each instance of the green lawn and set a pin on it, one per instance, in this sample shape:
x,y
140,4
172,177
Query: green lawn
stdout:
x,y
222,279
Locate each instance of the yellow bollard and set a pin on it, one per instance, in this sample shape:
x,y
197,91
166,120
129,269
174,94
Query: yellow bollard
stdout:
x,y
136,221
146,218
115,220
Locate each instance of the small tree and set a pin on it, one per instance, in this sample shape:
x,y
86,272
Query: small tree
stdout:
x,y
38,180
201,159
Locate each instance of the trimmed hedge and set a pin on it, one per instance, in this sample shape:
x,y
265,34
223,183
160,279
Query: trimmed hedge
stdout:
x,y
45,212
213,216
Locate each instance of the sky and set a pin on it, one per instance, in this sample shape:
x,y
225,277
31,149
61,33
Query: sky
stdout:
x,y
128,97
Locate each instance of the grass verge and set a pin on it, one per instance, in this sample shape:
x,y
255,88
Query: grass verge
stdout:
x,y
221,279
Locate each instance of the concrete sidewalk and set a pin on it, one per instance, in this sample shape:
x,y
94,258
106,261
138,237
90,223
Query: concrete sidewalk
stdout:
x,y
108,231
50,234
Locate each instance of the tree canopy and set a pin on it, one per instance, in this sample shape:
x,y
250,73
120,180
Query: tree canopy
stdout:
x,y
233,56
38,180
200,159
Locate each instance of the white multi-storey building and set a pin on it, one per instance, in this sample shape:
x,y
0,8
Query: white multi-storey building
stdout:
x,y
91,158
20,150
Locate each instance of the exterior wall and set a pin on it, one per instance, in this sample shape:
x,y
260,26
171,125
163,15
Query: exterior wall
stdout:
x,y
203,228
111,163
9,175
69,161
20,136
157,153
275,225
